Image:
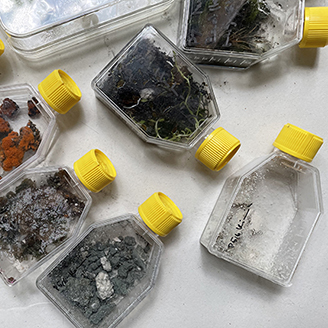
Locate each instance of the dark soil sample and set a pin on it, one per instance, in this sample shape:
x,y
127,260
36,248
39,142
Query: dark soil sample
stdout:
x,y
32,109
96,275
34,219
242,34
8,108
158,92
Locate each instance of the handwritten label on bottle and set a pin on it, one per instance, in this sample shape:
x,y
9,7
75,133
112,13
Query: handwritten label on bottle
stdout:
x,y
240,226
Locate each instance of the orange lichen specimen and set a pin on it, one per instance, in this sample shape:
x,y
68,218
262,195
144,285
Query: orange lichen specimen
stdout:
x,y
10,155
14,146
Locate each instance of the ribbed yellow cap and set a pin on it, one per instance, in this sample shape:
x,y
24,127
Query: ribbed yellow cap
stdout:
x,y
298,142
160,214
95,170
315,32
217,149
2,47
60,91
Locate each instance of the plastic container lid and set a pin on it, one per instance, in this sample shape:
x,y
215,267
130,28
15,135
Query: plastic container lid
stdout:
x,y
217,149
160,214
315,33
298,142
60,91
2,47
95,170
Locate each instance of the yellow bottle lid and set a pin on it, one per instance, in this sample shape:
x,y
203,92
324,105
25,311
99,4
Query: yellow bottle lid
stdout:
x,y
217,149
60,91
160,214
95,170
315,31
298,142
2,47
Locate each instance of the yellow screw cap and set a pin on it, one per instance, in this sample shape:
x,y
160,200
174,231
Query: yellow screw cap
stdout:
x,y
298,142
60,91
315,33
2,47
217,149
160,214
95,170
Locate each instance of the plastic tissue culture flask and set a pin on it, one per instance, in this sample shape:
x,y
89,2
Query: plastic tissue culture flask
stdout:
x,y
111,267
164,98
28,121
267,210
42,210
241,33
40,28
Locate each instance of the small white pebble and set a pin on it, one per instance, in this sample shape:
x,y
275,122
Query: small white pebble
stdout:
x,y
20,266
104,286
105,264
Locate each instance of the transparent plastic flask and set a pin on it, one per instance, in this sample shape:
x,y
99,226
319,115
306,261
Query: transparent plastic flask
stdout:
x,y
42,210
267,210
164,98
238,34
43,28
28,120
112,266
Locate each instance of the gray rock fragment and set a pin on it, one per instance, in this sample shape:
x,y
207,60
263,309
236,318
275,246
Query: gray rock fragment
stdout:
x,y
94,304
103,311
79,290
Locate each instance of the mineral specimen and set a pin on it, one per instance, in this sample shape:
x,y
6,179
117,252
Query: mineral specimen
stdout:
x,y
99,272
35,218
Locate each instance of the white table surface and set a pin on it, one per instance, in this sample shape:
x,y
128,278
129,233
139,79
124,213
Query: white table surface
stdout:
x,y
194,288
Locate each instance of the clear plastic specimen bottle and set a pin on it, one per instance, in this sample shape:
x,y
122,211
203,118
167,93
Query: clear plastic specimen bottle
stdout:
x,y
267,210
40,28
28,121
239,34
111,267
42,210
162,96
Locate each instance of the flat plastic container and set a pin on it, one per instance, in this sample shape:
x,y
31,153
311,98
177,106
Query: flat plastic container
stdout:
x,y
267,211
111,267
38,28
43,123
42,210
238,34
163,97
28,120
